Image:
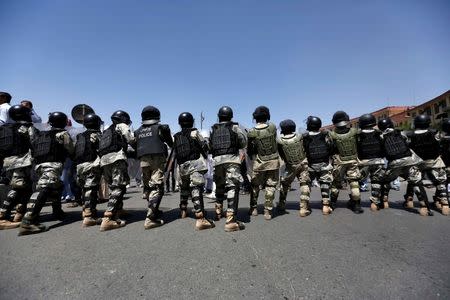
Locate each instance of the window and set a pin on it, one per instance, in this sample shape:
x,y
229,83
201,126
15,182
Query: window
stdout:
x,y
436,108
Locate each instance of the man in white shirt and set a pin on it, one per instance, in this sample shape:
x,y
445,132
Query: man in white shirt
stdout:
x,y
5,99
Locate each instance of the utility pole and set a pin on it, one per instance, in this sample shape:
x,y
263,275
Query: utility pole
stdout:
x,y
202,118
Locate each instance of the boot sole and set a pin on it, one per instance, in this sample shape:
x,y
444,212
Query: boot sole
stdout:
x,y
29,232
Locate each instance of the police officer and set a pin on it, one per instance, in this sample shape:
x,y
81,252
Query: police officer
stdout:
x,y
226,138
318,147
88,167
152,139
292,152
190,150
15,144
346,160
263,150
402,162
49,149
371,158
445,147
424,141
112,149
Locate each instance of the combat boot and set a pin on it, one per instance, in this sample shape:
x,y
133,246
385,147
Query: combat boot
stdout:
x,y
203,223
29,227
153,219
6,224
355,206
267,214
385,202
232,224
20,211
445,210
218,211
183,210
374,206
88,218
408,203
304,209
253,211
423,209
109,222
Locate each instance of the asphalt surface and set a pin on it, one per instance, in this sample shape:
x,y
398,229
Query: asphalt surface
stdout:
x,y
392,253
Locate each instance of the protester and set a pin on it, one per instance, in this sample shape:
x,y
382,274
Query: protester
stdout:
x,y
35,118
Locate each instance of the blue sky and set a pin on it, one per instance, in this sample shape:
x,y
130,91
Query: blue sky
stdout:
x,y
297,57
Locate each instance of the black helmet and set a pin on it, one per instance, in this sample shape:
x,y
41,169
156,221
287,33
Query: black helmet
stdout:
x,y
225,114
120,116
287,126
150,113
385,123
422,121
57,119
92,121
261,114
186,120
446,125
367,121
20,113
313,123
340,118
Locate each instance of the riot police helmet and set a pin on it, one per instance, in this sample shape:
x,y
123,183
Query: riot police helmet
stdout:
x,y
20,113
120,116
261,114
287,126
313,123
150,113
92,121
57,119
340,119
385,123
422,121
367,121
186,120
225,114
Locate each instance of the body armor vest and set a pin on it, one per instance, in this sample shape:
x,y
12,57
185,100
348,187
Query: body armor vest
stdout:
x,y
85,150
12,143
425,145
224,140
445,150
293,149
395,146
111,141
266,142
317,149
186,148
148,141
346,144
45,148
369,145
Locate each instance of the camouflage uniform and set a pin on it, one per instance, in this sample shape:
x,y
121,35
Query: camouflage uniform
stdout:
x,y
115,171
345,164
227,172
18,172
292,152
262,148
48,170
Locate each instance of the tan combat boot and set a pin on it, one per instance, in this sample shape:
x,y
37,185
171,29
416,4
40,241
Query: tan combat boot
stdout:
x,y
232,224
423,210
88,219
409,203
253,211
445,210
149,224
373,206
304,209
183,211
218,211
108,223
6,224
203,223
267,214
326,208
385,202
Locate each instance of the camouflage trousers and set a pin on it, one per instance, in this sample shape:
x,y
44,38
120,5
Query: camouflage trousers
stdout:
x,y
376,173
49,187
228,179
323,173
21,189
268,180
301,172
153,179
88,179
346,171
192,185
116,175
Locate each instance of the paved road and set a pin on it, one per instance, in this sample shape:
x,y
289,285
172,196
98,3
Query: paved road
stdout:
x,y
389,254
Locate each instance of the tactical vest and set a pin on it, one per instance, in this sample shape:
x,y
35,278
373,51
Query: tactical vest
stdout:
x,y
346,144
85,150
12,143
445,150
293,149
369,145
111,141
148,141
224,140
395,146
186,148
45,147
317,149
266,142
425,145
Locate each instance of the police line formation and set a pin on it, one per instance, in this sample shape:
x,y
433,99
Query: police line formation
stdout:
x,y
330,157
